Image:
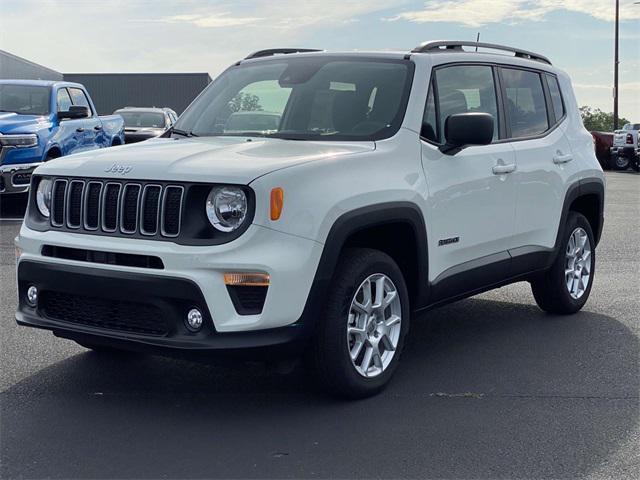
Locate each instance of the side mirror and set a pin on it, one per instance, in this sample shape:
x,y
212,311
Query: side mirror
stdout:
x,y
464,129
74,112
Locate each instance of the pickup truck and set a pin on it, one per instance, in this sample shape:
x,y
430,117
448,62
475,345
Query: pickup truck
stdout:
x,y
41,120
625,151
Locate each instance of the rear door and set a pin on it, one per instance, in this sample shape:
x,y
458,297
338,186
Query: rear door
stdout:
x,y
535,120
472,193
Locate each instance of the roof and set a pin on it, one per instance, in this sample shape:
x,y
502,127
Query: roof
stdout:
x,y
39,83
144,109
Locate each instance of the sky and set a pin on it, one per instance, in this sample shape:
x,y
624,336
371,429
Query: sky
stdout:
x,y
75,36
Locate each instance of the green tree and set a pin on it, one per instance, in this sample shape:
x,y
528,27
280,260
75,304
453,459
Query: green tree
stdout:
x,y
595,119
246,102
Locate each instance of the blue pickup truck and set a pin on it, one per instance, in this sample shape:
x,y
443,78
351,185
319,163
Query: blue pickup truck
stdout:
x,y
41,120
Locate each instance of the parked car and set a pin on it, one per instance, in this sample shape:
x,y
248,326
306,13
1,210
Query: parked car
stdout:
x,y
378,196
145,123
42,120
625,152
602,142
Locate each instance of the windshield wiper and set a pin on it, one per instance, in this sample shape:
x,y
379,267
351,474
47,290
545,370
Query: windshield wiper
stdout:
x,y
183,132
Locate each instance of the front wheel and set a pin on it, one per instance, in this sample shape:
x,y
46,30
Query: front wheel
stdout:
x,y
565,287
366,318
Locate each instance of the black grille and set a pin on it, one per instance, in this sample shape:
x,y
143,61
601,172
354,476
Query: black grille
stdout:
x,y
110,207
171,211
247,300
92,206
102,313
98,256
130,208
150,209
74,203
117,207
57,206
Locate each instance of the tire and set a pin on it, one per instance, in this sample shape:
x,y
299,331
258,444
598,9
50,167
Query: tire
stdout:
x,y
330,352
551,291
635,165
620,162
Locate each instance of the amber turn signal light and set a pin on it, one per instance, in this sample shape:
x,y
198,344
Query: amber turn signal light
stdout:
x,y
277,202
246,279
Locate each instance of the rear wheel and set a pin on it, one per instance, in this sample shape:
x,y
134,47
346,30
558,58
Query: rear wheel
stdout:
x,y
620,162
565,287
366,318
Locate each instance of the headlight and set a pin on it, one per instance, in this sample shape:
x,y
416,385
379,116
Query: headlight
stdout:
x,y
226,208
43,196
30,140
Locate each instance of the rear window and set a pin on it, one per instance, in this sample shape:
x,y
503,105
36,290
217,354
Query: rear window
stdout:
x,y
556,97
525,102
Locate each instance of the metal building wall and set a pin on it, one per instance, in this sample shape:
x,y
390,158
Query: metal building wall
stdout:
x,y
111,91
13,67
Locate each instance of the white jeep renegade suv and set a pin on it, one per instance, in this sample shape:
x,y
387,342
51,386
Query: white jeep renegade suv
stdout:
x,y
310,202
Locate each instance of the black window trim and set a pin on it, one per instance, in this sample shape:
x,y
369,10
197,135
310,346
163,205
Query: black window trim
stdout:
x,y
547,99
501,122
504,134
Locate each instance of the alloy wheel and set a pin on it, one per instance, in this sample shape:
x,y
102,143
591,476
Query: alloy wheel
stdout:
x,y
578,263
374,325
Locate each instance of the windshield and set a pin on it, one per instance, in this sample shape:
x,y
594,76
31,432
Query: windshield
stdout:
x,y
631,126
304,98
24,99
142,119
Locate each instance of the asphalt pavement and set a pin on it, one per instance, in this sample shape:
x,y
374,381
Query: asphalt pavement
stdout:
x,y
489,387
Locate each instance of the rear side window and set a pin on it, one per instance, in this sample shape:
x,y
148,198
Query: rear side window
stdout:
x,y
79,98
556,97
63,100
459,89
525,102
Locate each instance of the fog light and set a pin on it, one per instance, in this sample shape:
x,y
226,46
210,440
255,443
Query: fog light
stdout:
x,y
32,296
194,320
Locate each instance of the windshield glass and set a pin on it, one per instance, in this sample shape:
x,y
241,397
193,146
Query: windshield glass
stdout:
x,y
142,119
631,126
24,99
304,98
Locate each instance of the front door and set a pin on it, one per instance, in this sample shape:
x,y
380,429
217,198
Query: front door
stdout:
x,y
471,214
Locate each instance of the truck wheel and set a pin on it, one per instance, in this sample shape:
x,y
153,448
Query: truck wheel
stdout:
x,y
635,165
565,287
620,162
366,318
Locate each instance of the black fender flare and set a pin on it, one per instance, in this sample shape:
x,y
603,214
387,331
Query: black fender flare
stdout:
x,y
352,222
586,186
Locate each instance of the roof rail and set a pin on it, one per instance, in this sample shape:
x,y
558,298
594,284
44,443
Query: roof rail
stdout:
x,y
443,45
275,51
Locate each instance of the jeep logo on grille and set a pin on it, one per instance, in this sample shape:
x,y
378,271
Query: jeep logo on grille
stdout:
x,y
121,169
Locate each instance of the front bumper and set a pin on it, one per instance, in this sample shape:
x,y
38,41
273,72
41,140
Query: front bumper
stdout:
x,y
15,178
138,312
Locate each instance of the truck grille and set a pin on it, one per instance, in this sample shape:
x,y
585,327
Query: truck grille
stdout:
x,y
123,208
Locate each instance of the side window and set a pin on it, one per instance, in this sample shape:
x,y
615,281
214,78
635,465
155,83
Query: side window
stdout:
x,y
79,98
525,102
63,100
556,97
466,88
429,129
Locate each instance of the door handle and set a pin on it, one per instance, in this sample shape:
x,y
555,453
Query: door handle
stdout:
x,y
79,129
560,158
98,127
501,168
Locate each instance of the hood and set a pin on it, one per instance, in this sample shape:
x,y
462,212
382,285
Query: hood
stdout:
x,y
14,123
211,159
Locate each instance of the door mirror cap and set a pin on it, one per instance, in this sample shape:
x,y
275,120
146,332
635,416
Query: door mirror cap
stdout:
x,y
75,111
464,129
